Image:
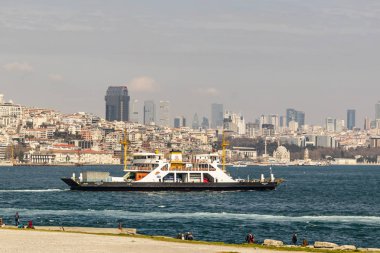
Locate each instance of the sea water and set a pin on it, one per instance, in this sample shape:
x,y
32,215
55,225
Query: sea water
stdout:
x,y
338,204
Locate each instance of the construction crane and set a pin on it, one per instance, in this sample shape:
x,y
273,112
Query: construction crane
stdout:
x,y
124,142
225,144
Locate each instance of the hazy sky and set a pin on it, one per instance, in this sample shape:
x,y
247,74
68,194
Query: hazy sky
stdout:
x,y
255,57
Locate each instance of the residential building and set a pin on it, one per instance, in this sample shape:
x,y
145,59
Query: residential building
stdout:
x,y
4,151
252,129
235,123
272,119
367,123
293,126
10,113
117,103
339,126
330,125
374,141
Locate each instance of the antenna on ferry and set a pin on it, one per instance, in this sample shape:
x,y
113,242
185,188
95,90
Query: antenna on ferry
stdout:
x,y
125,145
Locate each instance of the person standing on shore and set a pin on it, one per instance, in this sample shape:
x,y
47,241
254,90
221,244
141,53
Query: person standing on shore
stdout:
x,y
250,239
294,238
17,219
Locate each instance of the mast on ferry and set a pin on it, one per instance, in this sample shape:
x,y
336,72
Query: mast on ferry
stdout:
x,y
224,145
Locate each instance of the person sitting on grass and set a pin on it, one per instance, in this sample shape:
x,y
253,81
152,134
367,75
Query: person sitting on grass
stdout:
x,y
30,225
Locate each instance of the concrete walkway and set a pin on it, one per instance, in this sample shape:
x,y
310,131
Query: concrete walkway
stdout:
x,y
32,241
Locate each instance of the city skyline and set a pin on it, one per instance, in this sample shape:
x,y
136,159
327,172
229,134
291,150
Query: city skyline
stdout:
x,y
291,54
163,117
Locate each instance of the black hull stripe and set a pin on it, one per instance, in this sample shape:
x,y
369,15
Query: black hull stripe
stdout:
x,y
124,186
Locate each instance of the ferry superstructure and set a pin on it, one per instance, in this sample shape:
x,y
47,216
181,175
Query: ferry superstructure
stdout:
x,y
152,172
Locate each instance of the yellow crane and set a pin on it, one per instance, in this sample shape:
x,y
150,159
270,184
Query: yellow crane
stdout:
x,y
124,142
225,144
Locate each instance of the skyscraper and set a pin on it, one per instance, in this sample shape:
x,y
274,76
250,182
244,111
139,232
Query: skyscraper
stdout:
x,y
377,111
134,113
117,103
300,118
290,116
294,115
149,112
350,119
217,115
164,114
205,123
179,121
195,124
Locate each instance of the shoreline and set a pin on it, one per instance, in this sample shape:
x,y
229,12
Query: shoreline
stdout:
x,y
95,239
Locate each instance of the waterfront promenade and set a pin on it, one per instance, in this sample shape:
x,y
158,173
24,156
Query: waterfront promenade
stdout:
x,y
91,240
34,241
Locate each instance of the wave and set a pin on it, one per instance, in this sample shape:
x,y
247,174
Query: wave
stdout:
x,y
120,214
34,190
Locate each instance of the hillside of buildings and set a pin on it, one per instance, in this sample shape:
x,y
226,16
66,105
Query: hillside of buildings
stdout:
x,y
43,136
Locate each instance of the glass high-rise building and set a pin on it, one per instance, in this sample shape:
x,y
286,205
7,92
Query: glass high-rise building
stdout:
x,y
350,119
179,122
117,103
294,115
164,114
134,115
195,124
290,116
217,115
205,123
149,112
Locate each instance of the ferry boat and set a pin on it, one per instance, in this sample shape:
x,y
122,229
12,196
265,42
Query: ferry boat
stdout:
x,y
152,172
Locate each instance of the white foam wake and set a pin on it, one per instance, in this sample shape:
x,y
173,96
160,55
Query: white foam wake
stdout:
x,y
364,220
33,190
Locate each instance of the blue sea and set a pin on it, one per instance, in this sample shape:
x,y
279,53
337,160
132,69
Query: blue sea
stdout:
x,y
337,204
